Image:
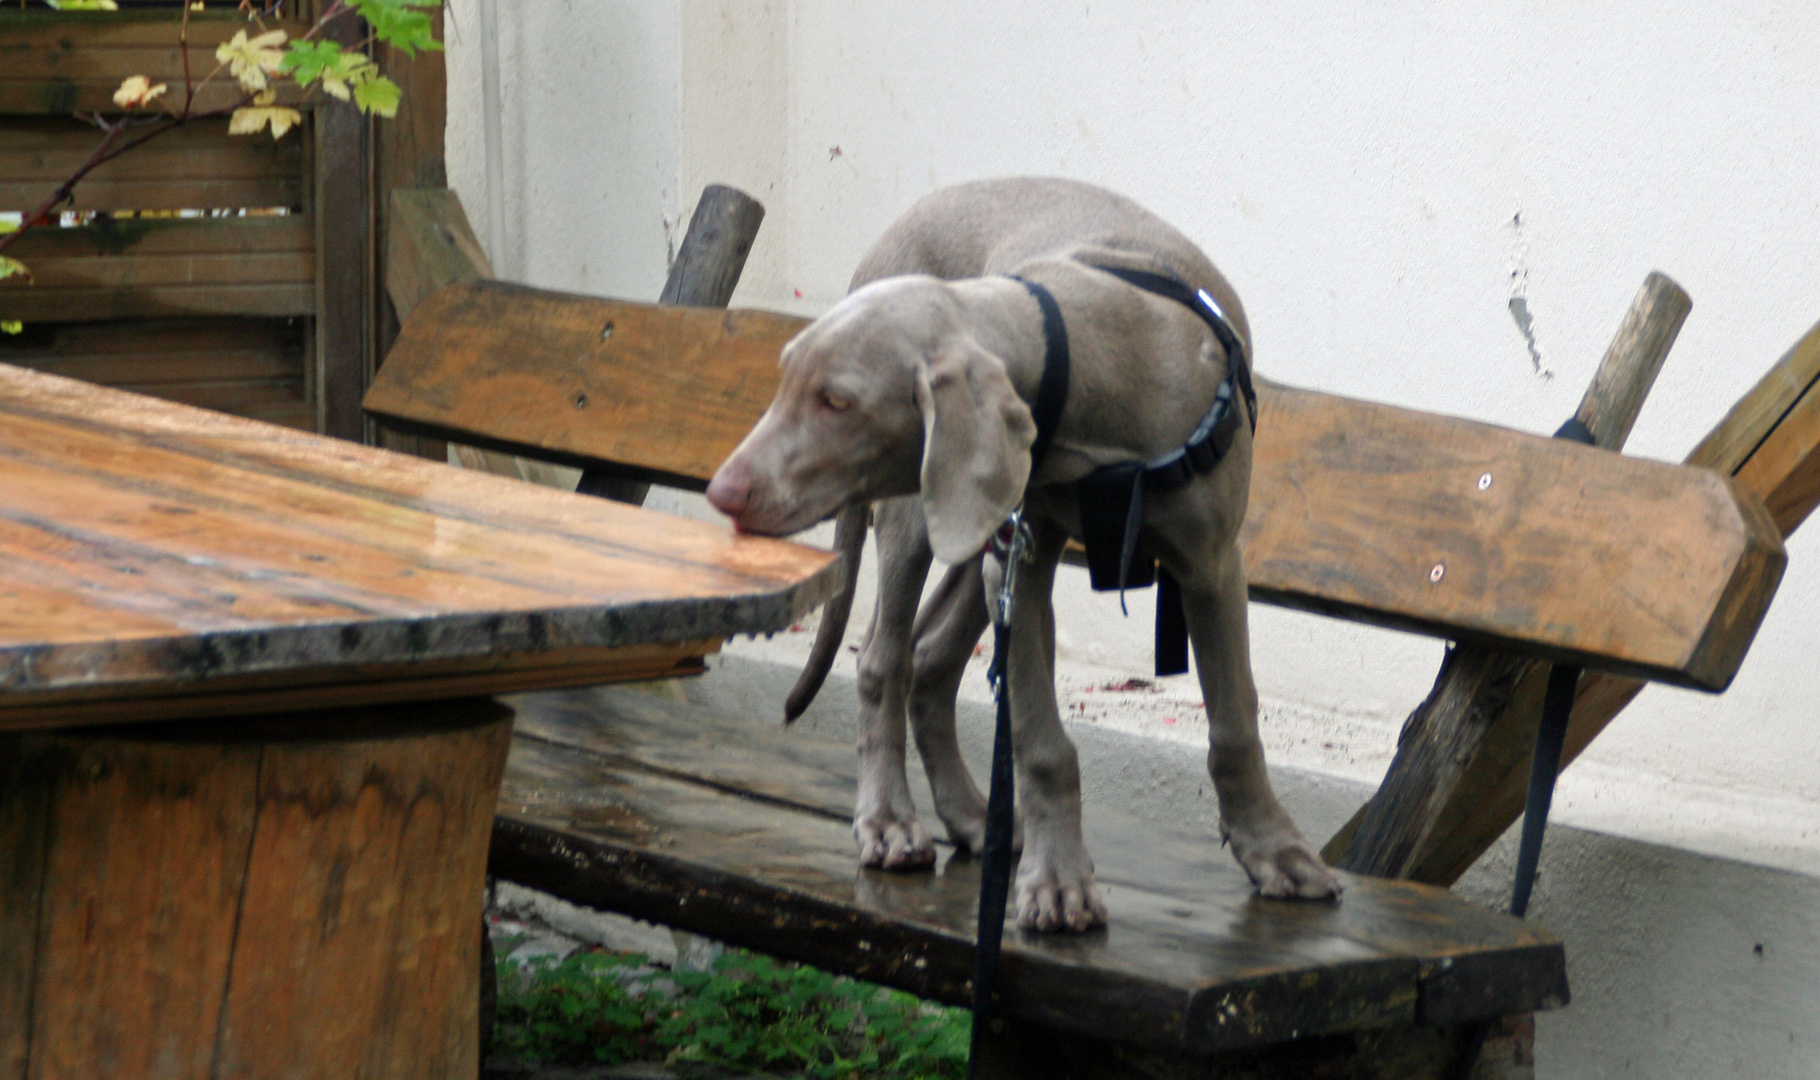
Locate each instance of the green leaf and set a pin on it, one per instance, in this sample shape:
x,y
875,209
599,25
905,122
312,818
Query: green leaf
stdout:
x,y
10,266
377,94
405,24
307,60
11,326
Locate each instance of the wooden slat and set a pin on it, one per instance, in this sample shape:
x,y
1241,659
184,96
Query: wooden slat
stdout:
x,y
1353,504
346,293
141,267
58,63
195,167
653,807
152,548
1770,442
249,367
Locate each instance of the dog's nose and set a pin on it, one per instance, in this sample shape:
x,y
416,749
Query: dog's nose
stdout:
x,y
730,490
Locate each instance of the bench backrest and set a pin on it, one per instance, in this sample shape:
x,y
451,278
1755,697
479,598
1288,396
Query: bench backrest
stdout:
x,y
1358,510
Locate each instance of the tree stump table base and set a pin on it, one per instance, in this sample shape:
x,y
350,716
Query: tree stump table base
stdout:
x,y
236,898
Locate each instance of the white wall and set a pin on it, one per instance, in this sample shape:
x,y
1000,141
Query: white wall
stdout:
x,y
1378,178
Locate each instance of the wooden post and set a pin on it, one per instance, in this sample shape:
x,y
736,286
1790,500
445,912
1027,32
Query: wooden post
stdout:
x,y
1770,444
343,211
407,154
236,898
1443,737
705,273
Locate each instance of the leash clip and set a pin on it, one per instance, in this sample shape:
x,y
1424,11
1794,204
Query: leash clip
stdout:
x,y
1011,544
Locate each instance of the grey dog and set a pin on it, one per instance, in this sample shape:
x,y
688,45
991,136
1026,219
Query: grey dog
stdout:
x,y
912,394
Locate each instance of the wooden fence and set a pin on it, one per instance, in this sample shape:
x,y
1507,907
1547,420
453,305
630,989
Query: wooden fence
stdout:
x,y
234,272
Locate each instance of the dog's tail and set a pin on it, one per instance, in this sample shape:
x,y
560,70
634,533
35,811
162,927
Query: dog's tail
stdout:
x,y
849,541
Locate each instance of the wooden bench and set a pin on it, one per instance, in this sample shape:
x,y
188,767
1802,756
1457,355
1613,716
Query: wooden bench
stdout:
x,y
1515,543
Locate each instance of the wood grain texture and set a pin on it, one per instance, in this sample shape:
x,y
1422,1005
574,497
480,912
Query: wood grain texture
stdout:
x,y
342,196
250,899
666,390
131,268
58,63
153,548
1445,733
650,806
1353,504
1635,356
198,166
1773,420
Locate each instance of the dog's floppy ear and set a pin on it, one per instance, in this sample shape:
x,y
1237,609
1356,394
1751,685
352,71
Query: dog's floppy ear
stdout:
x,y
976,448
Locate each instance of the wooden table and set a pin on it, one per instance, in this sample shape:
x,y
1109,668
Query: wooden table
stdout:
x,y
248,756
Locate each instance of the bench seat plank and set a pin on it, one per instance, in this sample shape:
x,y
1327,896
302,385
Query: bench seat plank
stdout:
x,y
1658,571
625,800
165,554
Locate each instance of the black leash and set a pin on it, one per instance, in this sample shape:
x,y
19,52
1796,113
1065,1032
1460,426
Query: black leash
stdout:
x,y
1012,544
1544,767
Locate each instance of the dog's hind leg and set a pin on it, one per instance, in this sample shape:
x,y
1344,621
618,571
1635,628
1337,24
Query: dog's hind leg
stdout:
x,y
884,815
947,628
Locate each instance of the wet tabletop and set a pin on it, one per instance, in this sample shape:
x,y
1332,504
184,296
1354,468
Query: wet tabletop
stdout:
x,y
153,551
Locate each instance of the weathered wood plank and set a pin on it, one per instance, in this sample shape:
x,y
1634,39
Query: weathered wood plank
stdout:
x,y
198,166
63,62
346,291
252,899
134,268
1443,736
155,550
577,380
1775,419
637,803
1353,504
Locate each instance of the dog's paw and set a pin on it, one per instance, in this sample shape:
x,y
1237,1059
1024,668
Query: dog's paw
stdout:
x,y
890,841
1280,862
1054,899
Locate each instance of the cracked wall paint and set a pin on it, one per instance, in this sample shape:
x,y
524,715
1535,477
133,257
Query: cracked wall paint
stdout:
x,y
1519,296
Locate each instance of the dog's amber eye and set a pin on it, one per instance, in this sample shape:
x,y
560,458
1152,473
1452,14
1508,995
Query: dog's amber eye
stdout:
x,y
834,402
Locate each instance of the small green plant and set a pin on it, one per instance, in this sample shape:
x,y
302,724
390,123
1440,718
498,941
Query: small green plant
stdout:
x,y
746,1012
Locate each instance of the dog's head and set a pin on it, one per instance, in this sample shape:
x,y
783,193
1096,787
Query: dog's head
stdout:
x,y
885,395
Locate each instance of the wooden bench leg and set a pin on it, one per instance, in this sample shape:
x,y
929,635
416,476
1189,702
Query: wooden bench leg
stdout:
x,y
1015,1051
292,896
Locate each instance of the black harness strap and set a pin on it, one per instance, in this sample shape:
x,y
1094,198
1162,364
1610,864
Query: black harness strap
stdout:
x,y
1052,391
1111,498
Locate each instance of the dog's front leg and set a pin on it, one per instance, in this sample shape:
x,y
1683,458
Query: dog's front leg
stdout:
x,y
1264,839
1055,889
884,815
947,629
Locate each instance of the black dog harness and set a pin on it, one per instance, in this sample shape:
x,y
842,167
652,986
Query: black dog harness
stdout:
x,y
1111,498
